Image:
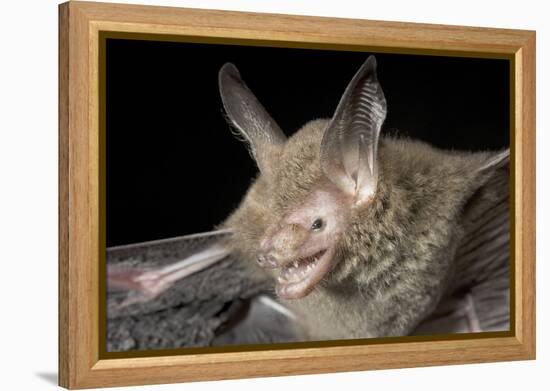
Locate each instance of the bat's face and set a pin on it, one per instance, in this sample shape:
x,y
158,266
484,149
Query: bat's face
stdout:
x,y
302,245
317,177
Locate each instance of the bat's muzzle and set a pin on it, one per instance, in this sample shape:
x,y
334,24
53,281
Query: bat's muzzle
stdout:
x,y
267,261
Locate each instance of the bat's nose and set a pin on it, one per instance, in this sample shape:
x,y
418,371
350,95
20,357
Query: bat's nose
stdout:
x,y
278,247
267,261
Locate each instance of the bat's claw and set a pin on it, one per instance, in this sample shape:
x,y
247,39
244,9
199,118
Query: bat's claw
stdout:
x,y
144,285
147,284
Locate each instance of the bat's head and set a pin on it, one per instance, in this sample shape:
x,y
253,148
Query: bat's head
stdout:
x,y
313,181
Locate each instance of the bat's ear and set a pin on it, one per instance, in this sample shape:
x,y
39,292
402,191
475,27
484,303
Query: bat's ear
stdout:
x,y
249,117
350,142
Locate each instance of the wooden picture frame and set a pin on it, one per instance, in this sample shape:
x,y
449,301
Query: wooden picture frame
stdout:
x,y
81,363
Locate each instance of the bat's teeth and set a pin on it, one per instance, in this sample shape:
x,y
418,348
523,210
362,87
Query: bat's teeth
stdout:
x,y
295,264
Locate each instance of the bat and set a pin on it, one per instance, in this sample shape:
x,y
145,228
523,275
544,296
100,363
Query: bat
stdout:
x,y
362,235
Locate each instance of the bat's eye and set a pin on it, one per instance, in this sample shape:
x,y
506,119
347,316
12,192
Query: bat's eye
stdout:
x,y
317,224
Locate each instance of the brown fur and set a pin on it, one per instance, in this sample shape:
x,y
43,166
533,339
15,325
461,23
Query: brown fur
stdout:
x,y
396,257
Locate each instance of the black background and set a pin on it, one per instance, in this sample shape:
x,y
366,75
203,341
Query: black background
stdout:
x,y
174,168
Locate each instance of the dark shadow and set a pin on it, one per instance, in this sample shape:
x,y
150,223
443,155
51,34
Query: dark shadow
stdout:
x,y
50,377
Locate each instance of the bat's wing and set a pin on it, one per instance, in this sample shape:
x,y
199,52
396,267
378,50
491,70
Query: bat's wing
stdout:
x,y
479,299
148,276
260,320
188,292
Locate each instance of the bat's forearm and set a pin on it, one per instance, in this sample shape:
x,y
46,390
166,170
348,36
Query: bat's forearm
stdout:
x,y
151,282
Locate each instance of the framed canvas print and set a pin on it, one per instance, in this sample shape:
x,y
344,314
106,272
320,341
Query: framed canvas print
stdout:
x,y
251,195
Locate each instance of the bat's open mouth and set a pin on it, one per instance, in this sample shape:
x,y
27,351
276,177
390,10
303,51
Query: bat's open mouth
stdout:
x,y
297,278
